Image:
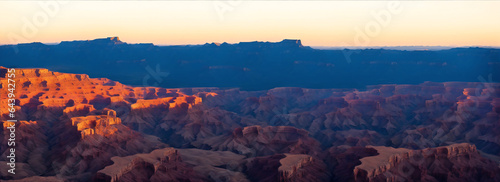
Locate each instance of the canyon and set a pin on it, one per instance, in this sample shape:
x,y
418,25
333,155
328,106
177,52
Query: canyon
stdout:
x,y
76,128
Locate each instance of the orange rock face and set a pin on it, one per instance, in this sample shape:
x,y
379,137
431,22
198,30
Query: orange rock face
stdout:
x,y
53,89
70,114
90,125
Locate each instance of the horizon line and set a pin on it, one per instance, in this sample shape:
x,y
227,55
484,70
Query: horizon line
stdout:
x,y
231,43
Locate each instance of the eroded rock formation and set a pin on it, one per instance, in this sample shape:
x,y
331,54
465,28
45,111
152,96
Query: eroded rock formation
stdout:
x,y
72,127
457,162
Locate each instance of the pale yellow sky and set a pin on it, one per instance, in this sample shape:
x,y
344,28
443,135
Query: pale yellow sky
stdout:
x,y
316,23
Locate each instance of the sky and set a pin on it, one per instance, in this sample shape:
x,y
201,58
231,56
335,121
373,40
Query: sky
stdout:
x,y
316,23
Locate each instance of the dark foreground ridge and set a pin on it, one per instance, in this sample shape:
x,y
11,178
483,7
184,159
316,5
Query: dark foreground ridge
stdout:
x,y
253,65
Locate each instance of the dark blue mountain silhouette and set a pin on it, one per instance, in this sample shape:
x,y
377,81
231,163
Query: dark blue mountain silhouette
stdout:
x,y
253,65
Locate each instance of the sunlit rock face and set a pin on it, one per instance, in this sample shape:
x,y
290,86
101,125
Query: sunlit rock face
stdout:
x,y
99,125
72,128
72,115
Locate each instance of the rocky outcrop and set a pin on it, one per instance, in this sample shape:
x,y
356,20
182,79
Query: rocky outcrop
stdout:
x,y
286,167
342,160
102,137
159,165
300,167
458,162
99,125
78,110
171,164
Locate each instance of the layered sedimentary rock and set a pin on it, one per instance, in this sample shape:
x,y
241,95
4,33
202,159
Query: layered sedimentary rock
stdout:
x,y
44,88
171,164
457,162
300,167
71,126
287,167
99,125
159,165
413,116
71,114
101,137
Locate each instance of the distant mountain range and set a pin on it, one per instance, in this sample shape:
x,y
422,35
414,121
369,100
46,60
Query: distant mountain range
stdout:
x,y
407,48
254,65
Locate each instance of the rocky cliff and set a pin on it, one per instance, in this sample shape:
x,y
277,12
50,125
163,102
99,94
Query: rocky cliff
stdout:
x,y
457,162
